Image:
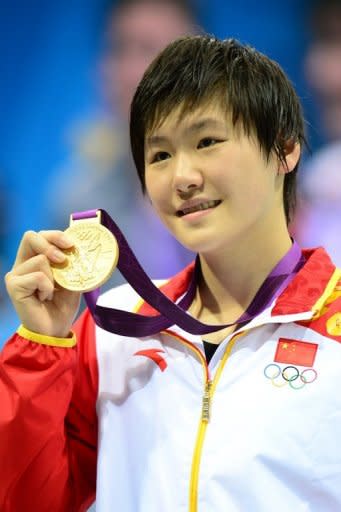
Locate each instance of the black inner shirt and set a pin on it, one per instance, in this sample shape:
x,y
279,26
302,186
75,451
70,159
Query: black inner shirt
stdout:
x,y
209,348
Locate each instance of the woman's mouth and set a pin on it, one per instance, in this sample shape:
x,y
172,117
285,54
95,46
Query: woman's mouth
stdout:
x,y
205,205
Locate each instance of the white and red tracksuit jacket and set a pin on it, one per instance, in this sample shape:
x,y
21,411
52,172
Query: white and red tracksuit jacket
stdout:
x,y
148,426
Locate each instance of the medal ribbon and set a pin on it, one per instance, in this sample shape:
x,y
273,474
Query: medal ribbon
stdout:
x,y
132,324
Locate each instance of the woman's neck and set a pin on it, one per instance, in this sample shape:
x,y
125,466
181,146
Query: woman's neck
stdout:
x,y
230,279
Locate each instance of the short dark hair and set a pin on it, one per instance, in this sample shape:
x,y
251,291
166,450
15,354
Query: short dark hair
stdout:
x,y
194,69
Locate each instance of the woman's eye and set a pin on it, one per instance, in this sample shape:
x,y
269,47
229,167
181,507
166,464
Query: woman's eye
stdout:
x,y
208,141
160,156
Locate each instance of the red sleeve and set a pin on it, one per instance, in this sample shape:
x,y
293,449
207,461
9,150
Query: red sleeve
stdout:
x,y
48,424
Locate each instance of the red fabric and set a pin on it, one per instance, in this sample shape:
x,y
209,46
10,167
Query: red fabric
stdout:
x,y
320,324
295,352
48,424
307,286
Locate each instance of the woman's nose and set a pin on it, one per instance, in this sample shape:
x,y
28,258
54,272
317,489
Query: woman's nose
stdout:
x,y
187,174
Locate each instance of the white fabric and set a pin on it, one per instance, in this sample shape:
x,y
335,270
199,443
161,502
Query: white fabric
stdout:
x,y
266,448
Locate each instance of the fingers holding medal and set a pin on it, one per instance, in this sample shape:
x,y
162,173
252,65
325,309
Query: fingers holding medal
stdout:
x,y
92,259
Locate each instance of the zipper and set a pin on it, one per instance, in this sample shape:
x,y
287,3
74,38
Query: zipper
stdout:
x,y
207,396
208,393
206,402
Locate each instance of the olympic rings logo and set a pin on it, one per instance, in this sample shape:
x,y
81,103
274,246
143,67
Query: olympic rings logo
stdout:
x,y
290,375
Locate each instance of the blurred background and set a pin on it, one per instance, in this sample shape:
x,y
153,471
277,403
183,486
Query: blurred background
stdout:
x,y
68,70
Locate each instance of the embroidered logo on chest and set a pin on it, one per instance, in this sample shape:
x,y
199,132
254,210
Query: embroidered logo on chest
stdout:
x,y
295,352
154,355
290,353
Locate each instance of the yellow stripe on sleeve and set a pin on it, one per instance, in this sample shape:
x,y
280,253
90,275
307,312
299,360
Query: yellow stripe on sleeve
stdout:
x,y
47,340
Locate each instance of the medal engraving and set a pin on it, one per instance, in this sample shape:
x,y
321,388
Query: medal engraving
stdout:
x,y
92,259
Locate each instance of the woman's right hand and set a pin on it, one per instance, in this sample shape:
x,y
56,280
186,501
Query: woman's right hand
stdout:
x,y
42,305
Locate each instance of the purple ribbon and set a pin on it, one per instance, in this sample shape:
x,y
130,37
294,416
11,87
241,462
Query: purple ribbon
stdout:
x,y
132,324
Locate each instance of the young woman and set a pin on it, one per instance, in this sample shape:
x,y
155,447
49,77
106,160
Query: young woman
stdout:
x,y
241,417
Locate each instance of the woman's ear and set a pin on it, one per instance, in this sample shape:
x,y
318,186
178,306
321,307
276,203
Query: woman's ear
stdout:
x,y
292,151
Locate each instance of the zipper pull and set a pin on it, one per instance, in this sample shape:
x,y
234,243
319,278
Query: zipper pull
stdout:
x,y
206,402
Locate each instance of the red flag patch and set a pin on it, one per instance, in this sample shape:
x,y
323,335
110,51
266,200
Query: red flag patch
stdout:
x,y
297,352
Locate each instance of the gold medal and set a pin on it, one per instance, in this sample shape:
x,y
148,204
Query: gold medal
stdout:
x,y
93,258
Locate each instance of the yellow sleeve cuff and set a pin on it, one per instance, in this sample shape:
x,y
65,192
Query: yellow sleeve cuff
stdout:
x,y
47,340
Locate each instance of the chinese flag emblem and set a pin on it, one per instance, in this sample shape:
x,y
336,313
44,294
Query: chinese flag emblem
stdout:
x,y
297,352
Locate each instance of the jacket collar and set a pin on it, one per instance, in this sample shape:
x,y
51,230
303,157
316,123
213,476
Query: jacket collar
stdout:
x,y
308,290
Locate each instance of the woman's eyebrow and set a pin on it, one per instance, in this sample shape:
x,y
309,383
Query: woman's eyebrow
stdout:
x,y
155,140
208,122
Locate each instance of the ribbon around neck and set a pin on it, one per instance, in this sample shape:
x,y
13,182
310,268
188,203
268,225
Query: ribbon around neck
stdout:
x,y
133,324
